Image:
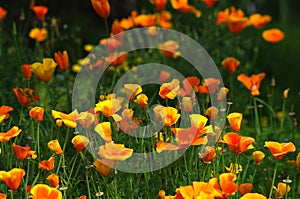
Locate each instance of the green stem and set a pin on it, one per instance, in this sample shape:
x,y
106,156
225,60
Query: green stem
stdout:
x,y
64,147
11,194
254,174
273,180
88,184
283,114
256,115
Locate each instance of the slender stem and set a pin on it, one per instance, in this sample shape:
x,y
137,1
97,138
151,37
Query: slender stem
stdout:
x,y
38,140
11,194
256,115
254,174
88,184
273,180
64,147
283,114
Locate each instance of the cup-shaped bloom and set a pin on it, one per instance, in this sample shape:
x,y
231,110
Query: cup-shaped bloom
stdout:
x,y
164,76
39,34
296,162
169,116
238,144
104,167
53,179
208,155
3,13
190,83
211,84
170,49
245,188
159,4
2,195
47,164
132,90
80,142
183,6
62,59
26,69
54,146
104,130
230,64
86,119
4,112
44,191
222,93
210,3
117,58
227,184
23,152
253,195
198,121
252,83
282,189
12,178
187,104
127,124
115,152
235,120
142,100
40,11
102,7
169,90
279,150
37,113
273,35
258,20
25,96
165,146
44,70
108,107
258,156
144,20
67,119
13,132
212,112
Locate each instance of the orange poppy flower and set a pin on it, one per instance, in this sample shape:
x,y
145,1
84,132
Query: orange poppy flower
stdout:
x,y
169,90
80,142
296,162
208,155
40,11
258,156
44,191
82,197
104,167
44,70
62,59
47,164
210,3
252,83
115,152
86,119
37,113
231,64
102,7
222,15
165,146
2,195
126,23
227,184
159,4
235,120
104,130
279,150
53,179
188,136
23,152
109,108
253,195
67,119
164,76
3,13
25,96
54,146
116,27
183,6
238,144
234,168
142,100
132,90
12,178
211,84
39,34
189,83
281,190
116,58
111,44
4,112
245,188
169,115
26,69
163,19
258,21
162,195
212,112
222,93
13,132
144,20
187,104
273,35
127,124
169,49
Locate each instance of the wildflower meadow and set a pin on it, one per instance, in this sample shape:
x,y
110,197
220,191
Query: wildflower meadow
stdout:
x,y
171,102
